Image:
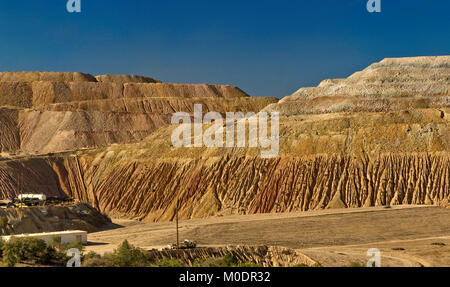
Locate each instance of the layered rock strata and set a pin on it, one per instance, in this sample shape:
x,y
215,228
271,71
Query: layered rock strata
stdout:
x,y
379,137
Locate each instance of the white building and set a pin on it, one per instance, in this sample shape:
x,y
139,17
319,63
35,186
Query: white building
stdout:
x,y
66,236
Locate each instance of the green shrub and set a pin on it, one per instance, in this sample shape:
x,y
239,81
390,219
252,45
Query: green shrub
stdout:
x,y
126,255
75,244
3,222
50,255
307,266
246,265
27,249
91,255
356,265
228,260
93,259
208,262
55,242
10,258
168,263
2,243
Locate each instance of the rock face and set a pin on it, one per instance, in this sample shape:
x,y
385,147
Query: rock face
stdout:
x,y
246,185
379,137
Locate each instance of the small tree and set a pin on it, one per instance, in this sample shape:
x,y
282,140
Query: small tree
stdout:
x,y
93,259
9,257
129,256
74,244
2,243
229,260
55,242
169,263
27,249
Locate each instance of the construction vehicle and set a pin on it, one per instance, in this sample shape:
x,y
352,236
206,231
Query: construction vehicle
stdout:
x,y
31,199
6,203
186,244
58,200
28,200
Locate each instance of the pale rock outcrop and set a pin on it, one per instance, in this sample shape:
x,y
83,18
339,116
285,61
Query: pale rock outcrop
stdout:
x,y
45,76
392,84
123,79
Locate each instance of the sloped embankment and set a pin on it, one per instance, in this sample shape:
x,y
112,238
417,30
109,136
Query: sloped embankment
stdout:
x,y
52,218
260,255
229,185
149,190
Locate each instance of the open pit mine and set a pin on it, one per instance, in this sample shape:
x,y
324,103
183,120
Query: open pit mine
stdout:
x,y
377,138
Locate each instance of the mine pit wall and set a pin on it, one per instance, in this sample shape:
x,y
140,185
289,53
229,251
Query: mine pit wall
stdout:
x,y
90,124
165,106
46,132
9,130
148,190
41,117
33,76
39,94
34,175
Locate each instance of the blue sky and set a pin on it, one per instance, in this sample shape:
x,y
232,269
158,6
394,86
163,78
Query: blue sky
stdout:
x,y
267,48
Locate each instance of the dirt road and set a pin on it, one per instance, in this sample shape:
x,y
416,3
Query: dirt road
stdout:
x,y
420,235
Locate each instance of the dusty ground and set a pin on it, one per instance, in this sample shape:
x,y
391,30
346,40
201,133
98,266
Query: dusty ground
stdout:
x,y
406,236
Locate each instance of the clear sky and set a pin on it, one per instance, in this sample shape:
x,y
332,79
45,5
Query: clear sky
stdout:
x,y
267,48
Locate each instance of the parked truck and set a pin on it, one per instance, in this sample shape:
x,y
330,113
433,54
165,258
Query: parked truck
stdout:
x,y
186,244
31,199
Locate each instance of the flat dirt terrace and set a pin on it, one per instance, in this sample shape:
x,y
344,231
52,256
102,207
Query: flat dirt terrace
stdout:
x,y
406,235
